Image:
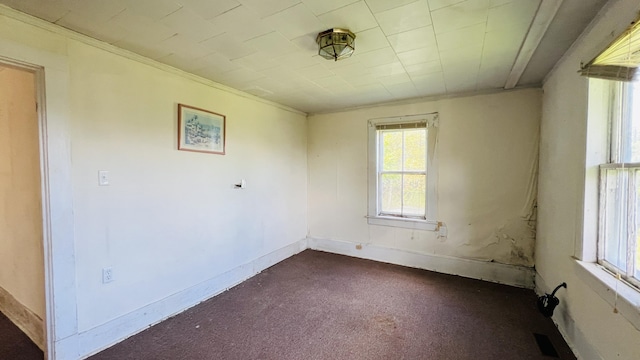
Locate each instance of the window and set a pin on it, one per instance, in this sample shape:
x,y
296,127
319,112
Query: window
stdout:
x,y
611,206
619,225
402,171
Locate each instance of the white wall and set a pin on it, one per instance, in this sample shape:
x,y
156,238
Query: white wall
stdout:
x,y
487,155
585,318
21,252
171,221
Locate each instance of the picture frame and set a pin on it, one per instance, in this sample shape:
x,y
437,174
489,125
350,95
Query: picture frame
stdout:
x,y
201,130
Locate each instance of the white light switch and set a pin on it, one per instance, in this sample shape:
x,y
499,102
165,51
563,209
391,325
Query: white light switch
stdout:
x,y
103,178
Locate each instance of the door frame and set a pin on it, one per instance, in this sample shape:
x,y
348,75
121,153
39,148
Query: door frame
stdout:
x,y
51,80
38,73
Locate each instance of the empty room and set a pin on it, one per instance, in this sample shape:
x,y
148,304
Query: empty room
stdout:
x,y
319,179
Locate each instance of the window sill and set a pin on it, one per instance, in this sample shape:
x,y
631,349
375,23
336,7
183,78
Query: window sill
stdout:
x,y
415,224
605,285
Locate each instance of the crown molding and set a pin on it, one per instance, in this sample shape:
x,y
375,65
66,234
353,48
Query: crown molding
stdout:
x,y
70,34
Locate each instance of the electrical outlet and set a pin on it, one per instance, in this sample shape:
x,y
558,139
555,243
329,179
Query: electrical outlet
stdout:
x,y
107,275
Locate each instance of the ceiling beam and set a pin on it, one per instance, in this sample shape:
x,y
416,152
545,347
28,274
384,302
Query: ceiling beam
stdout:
x,y
545,14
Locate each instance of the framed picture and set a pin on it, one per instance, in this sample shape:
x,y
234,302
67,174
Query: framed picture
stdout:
x,y
200,130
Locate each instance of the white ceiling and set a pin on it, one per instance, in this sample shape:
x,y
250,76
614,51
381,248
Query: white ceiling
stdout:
x,y
404,48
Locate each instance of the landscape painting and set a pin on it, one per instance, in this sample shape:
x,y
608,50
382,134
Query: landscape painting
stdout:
x,y
200,130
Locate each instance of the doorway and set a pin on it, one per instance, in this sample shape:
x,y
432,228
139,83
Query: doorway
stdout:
x,y
22,269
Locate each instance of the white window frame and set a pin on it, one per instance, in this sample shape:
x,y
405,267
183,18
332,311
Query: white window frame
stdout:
x,y
618,110
374,216
619,294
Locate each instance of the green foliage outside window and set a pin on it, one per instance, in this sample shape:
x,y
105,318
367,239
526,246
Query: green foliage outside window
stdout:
x,y
403,172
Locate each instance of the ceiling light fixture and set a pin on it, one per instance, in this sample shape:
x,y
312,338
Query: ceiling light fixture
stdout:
x,y
336,44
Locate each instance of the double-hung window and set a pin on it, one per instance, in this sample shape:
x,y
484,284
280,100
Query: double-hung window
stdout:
x,y
402,171
618,247
619,225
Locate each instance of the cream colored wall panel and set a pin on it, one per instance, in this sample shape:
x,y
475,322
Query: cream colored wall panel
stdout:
x,y
127,126
486,150
590,326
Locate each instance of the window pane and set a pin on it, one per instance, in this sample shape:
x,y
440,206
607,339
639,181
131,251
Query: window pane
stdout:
x,y
414,195
391,193
630,130
415,150
391,150
615,242
636,251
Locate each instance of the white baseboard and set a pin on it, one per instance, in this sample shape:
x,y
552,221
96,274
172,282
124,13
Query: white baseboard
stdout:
x,y
87,343
571,333
518,276
25,319
92,341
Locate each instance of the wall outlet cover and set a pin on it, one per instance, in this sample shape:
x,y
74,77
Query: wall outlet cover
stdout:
x,y
107,275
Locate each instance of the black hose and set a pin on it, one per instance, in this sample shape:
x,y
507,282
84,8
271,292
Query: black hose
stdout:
x,y
548,302
564,285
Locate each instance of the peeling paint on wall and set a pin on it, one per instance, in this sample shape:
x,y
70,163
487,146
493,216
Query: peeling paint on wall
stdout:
x,y
487,154
515,241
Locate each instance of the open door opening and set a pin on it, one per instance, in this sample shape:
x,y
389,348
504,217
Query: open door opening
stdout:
x,y
22,261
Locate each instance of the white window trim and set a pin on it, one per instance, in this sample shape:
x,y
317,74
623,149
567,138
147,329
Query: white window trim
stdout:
x,y
627,300
373,218
616,293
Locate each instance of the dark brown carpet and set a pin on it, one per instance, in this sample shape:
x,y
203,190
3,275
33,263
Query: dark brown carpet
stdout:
x,y
14,344
322,306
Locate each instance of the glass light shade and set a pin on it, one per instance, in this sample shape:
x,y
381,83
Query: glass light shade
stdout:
x,y
336,44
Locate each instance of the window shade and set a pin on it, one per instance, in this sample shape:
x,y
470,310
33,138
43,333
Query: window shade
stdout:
x,y
620,60
414,125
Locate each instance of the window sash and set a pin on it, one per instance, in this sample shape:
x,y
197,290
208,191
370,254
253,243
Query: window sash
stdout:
x,y
627,178
621,114
405,125
380,129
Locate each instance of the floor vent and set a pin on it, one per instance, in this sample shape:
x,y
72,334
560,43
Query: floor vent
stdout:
x,y
545,345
